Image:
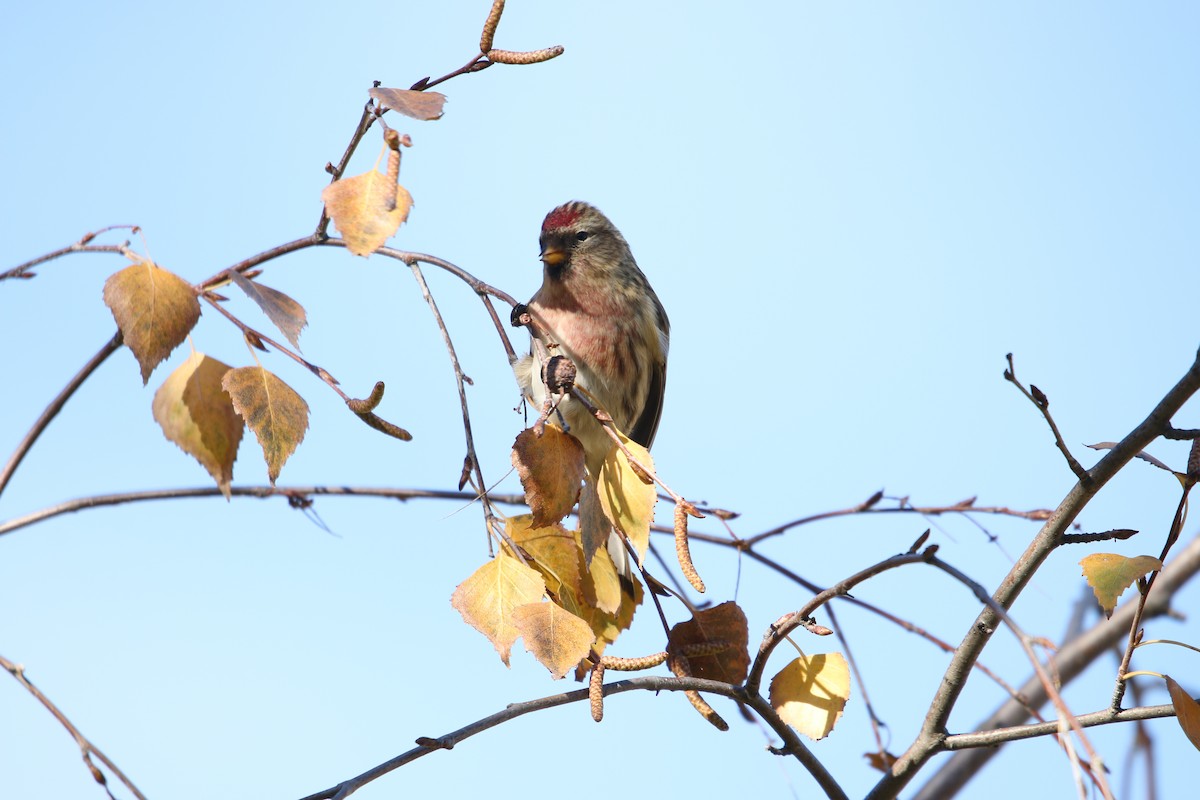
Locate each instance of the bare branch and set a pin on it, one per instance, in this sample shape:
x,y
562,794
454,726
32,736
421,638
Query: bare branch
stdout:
x,y
650,683
56,405
789,622
461,380
870,506
86,748
1072,658
1038,398
82,246
289,492
997,736
1047,539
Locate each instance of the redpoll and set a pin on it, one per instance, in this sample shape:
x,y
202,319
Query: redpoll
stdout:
x,y
597,308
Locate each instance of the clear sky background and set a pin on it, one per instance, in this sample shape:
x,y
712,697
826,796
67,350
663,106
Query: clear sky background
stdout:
x,y
851,212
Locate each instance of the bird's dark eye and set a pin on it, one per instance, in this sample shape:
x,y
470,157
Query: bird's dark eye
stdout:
x,y
582,235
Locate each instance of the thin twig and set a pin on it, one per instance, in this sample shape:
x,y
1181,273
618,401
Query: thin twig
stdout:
x,y
941,644
86,748
1044,543
844,641
56,405
461,381
289,492
1049,684
257,259
319,371
1070,661
81,246
448,741
360,130
779,630
477,63
870,506
1106,716
1039,399
484,290
582,397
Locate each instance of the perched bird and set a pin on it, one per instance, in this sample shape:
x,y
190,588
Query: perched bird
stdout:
x,y
597,308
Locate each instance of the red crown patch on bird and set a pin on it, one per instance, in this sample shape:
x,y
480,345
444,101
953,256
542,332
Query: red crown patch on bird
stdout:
x,y
564,216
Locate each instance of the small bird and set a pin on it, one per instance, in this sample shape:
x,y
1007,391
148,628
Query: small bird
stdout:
x,y
597,308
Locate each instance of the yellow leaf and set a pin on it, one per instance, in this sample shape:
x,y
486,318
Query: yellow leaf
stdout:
x,y
553,551
551,468
811,692
601,584
556,637
288,315
626,499
556,554
1110,574
1187,711
486,599
154,309
277,415
714,641
367,209
198,415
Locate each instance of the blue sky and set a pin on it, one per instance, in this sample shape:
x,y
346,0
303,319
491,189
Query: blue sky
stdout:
x,y
851,213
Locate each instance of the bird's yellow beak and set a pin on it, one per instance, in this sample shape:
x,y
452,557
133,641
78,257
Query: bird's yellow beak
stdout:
x,y
553,257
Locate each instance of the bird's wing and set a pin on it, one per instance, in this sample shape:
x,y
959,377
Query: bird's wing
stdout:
x,y
646,425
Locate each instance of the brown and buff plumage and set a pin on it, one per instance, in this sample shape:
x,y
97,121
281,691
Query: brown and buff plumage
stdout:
x,y
597,308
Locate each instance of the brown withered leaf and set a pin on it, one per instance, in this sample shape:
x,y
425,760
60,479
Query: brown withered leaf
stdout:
x,y
594,526
810,693
288,315
486,599
722,627
272,409
1110,574
197,414
363,209
551,469
418,105
556,637
155,310
882,761
626,499
1187,711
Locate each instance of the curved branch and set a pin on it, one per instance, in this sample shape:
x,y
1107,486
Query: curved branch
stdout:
x,y
1047,539
55,406
1039,400
1072,658
257,259
82,246
869,507
789,622
484,290
427,745
86,748
290,492
997,736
